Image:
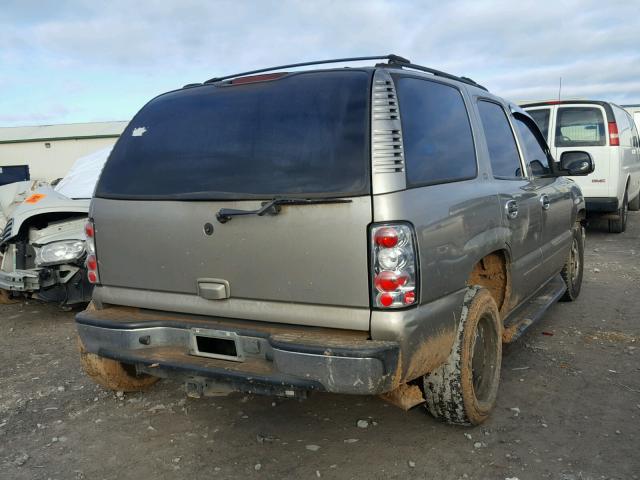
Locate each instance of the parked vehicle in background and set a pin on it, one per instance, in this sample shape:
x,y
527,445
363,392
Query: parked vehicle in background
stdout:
x,y
634,111
365,230
610,135
12,195
42,245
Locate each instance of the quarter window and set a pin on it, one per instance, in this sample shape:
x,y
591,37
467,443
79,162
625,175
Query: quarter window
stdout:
x,y
436,132
534,152
580,127
503,151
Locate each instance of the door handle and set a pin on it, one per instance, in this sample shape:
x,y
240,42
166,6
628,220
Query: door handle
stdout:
x,y
511,207
544,201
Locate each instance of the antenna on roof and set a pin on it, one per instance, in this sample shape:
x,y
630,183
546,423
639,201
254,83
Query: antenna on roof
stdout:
x,y
560,90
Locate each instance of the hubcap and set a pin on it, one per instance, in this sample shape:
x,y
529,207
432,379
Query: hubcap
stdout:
x,y
483,360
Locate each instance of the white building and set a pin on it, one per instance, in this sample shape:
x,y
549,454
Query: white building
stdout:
x,y
50,150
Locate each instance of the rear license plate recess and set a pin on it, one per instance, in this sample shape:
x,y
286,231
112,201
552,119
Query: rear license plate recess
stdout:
x,y
216,344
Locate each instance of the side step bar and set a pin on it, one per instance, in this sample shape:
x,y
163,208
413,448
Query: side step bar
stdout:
x,y
532,310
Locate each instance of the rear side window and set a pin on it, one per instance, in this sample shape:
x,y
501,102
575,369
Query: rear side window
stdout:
x,y
503,151
624,127
635,141
436,133
304,134
580,127
541,117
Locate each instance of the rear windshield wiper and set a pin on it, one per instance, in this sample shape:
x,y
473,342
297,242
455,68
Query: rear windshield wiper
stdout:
x,y
272,207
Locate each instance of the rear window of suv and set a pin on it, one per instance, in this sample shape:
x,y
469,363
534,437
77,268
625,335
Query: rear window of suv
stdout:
x,y
580,127
305,134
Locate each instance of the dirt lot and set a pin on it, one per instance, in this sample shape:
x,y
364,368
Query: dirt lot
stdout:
x,y
569,407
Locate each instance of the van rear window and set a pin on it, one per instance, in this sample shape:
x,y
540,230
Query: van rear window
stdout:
x,y
305,134
580,127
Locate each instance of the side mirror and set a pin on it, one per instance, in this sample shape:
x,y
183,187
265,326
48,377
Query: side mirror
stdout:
x,y
576,163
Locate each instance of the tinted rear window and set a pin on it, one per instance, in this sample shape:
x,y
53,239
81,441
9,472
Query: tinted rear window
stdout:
x,y
436,133
580,127
541,117
304,134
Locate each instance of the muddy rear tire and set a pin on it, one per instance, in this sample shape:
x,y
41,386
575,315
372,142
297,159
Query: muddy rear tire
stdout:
x,y
112,374
463,391
574,265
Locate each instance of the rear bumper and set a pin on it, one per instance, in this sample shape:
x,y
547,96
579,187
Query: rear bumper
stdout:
x,y
601,204
272,358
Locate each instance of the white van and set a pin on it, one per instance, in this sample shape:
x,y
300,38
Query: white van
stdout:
x,y
608,133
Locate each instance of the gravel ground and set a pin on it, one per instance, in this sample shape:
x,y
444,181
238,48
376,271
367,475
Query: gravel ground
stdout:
x,y
568,408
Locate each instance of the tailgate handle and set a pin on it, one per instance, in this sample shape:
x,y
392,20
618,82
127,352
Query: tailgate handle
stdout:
x,y
213,288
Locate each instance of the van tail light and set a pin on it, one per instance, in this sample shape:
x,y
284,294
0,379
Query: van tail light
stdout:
x,y
393,270
614,140
92,261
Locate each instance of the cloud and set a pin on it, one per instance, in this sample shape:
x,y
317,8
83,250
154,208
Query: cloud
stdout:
x,y
47,114
134,50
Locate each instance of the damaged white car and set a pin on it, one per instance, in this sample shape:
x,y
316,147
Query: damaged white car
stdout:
x,y
42,245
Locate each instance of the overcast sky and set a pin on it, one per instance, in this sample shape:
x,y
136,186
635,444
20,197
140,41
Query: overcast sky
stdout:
x,y
77,61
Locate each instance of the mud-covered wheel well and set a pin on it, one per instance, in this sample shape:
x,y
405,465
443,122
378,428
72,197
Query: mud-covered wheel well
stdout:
x,y
492,272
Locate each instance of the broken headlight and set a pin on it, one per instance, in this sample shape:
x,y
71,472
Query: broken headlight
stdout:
x,y
59,252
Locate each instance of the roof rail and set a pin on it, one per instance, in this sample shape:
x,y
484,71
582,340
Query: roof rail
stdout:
x,y
393,60
433,71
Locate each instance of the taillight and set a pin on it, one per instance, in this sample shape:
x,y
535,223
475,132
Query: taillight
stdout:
x,y
394,260
614,140
92,261
386,237
88,230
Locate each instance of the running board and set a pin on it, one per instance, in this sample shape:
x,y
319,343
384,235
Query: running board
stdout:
x,y
532,310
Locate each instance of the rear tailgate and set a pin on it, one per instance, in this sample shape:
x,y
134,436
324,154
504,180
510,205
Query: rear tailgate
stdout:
x,y
189,154
584,127
314,256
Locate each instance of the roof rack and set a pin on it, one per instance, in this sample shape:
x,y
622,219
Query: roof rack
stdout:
x,y
433,71
393,60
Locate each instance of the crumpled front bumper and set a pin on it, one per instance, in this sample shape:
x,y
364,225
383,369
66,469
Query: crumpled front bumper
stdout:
x,y
271,358
20,280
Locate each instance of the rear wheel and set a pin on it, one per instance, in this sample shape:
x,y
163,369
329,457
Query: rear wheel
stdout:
x,y
112,374
574,265
464,390
619,224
